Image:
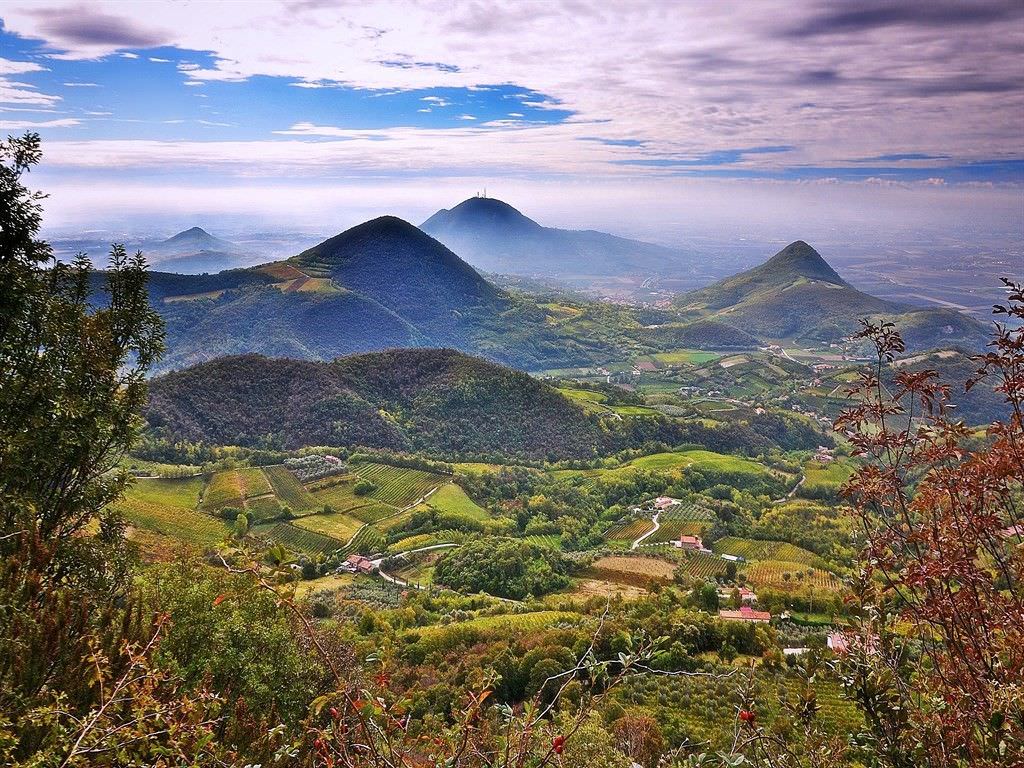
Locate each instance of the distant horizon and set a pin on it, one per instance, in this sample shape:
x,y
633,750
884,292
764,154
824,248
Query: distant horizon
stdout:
x,y
658,121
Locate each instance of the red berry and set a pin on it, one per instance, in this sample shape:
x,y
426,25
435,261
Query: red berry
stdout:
x,y
558,744
334,713
746,716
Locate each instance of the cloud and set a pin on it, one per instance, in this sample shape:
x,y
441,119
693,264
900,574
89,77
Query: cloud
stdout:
x,y
688,84
8,67
83,29
859,16
21,125
159,60
81,85
467,117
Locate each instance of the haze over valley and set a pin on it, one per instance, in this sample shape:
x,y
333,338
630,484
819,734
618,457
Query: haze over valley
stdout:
x,y
512,384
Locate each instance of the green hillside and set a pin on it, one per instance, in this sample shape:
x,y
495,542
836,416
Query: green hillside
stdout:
x,y
797,296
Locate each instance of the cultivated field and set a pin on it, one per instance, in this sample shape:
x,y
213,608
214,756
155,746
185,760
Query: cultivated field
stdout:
x,y
337,525
635,571
398,486
289,490
754,549
168,506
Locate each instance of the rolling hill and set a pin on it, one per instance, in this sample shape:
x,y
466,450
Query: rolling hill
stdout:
x,y
379,285
494,236
415,400
194,251
796,296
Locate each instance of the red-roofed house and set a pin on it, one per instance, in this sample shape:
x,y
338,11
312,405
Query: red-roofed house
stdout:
x,y
664,502
689,542
746,613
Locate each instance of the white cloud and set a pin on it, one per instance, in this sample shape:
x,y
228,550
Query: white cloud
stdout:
x,y
21,125
466,117
128,55
159,60
81,85
8,67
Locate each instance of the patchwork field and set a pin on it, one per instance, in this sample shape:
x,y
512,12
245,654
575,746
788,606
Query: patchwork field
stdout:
x,y
634,571
337,525
398,486
167,506
754,549
289,490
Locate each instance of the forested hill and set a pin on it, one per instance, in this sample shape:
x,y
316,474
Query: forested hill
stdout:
x,y
418,399
380,285
796,296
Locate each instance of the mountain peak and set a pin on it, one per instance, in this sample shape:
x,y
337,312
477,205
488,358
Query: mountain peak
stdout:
x,y
197,238
480,212
798,259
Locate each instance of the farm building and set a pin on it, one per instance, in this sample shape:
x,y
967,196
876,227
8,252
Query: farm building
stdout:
x,y
689,543
746,613
645,367
358,564
664,502
733,558
747,596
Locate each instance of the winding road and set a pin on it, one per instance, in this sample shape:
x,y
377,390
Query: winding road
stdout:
x,y
650,533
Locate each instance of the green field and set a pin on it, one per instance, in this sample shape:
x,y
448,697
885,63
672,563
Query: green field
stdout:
x,y
223,490
671,530
336,492
685,357
168,506
289,490
254,482
337,525
398,486
301,540
755,549
451,498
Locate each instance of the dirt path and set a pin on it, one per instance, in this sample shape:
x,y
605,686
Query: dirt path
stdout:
x,y
650,533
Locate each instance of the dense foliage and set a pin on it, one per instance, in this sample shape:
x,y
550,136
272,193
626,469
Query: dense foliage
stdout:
x,y
506,568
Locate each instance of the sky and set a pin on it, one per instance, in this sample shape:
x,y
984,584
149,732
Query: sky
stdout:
x,y
636,117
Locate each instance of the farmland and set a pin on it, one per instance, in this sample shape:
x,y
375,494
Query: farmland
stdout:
x,y
289,490
300,539
629,530
398,486
775,572
337,525
168,507
634,571
754,549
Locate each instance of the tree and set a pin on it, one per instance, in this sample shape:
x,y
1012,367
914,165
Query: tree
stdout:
x,y
640,739
941,515
72,373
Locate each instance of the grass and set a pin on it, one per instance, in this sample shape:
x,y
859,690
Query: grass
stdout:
x,y
254,482
337,525
289,490
634,571
755,549
685,357
167,506
223,490
398,486
301,540
330,583
451,498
